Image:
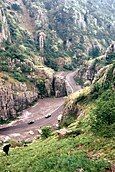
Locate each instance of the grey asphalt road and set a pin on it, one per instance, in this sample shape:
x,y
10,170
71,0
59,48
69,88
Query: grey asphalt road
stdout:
x,y
20,130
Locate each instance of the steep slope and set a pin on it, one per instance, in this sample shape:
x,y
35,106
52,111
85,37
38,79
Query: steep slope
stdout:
x,y
25,20
102,81
79,148
57,33
23,76
74,29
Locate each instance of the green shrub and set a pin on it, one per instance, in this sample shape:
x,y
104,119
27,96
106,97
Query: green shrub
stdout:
x,y
26,69
94,52
19,76
79,81
4,65
68,120
109,58
41,87
12,51
68,67
16,7
46,132
103,115
96,91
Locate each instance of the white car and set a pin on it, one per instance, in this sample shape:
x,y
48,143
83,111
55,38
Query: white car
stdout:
x,y
48,115
59,117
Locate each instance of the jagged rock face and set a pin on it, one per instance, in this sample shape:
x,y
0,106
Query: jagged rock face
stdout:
x,y
72,20
72,108
59,86
4,30
90,69
76,27
110,53
14,97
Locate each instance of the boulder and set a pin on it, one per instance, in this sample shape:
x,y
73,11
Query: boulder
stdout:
x,y
14,97
62,133
59,86
31,132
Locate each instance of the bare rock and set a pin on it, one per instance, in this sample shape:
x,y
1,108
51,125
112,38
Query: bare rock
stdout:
x,y
14,97
62,133
59,86
31,132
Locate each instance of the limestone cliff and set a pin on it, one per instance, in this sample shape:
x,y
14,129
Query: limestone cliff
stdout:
x,y
15,96
76,29
89,69
74,104
59,86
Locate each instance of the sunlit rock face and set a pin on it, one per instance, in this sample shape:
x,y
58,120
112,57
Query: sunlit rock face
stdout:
x,y
91,69
69,25
59,86
72,26
14,97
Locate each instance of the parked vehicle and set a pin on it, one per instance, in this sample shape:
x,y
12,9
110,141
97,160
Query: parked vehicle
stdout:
x,y
31,122
48,115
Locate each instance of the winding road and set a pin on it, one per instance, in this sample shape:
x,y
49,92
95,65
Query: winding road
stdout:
x,y
20,130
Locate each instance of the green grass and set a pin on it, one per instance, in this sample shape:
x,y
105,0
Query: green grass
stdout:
x,y
86,151
52,155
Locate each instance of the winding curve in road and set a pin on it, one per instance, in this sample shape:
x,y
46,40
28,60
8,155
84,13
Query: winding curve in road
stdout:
x,y
20,130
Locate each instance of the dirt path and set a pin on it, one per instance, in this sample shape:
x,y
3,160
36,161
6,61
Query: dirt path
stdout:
x,y
20,130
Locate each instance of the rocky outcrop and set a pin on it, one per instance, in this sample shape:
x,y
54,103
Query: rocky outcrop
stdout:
x,y
14,97
111,49
91,71
4,29
59,86
104,78
91,68
110,53
62,133
63,61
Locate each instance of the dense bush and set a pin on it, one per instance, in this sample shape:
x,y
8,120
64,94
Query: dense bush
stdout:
x,y
51,63
19,76
95,52
46,132
68,67
4,66
16,7
13,52
110,58
103,115
41,87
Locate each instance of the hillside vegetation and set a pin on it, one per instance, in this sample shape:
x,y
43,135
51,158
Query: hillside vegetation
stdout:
x,y
38,38
89,144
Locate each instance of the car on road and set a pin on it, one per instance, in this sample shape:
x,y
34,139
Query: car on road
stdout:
x,y
48,115
31,122
59,118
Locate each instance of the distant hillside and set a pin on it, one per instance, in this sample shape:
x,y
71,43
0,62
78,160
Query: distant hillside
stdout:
x,y
70,29
38,35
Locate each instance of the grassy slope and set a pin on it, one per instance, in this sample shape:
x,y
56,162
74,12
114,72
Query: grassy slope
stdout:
x,y
85,151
